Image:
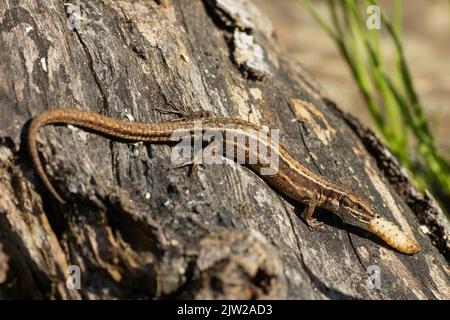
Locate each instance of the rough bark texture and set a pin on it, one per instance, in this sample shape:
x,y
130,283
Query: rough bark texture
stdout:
x,y
139,229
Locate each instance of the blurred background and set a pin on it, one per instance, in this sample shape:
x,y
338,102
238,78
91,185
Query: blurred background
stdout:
x,y
423,28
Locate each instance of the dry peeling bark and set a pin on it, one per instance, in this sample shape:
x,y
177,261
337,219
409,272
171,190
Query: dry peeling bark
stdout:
x,y
139,229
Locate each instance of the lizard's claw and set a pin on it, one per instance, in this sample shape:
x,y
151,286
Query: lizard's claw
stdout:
x,y
194,166
314,225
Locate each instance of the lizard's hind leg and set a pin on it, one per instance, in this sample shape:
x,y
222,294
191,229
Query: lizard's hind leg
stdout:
x,y
183,114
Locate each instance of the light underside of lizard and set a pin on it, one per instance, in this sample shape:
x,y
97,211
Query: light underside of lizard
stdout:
x,y
292,179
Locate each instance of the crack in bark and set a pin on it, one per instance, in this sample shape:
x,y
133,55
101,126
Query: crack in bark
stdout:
x,y
299,254
301,124
358,257
97,80
315,282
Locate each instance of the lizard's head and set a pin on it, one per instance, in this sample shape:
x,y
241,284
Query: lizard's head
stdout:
x,y
356,208
363,215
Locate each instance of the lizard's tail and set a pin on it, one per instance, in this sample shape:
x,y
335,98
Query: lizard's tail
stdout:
x,y
35,125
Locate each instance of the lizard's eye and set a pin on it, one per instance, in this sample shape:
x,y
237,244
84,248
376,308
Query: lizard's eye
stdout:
x,y
359,207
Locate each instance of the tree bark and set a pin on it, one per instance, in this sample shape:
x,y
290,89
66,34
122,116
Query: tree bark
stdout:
x,y
137,228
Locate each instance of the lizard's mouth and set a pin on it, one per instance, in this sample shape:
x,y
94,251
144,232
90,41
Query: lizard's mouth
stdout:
x,y
349,216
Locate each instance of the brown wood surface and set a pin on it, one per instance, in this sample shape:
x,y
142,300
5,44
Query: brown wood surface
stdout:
x,y
138,228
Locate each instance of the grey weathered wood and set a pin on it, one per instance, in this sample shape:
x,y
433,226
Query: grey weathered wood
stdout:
x,y
138,228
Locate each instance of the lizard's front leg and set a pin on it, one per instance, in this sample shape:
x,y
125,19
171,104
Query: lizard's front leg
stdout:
x,y
195,163
310,206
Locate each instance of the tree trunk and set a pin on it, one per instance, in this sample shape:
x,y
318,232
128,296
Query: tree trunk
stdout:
x,y
138,228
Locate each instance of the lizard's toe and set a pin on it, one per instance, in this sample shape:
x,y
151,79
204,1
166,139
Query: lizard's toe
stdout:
x,y
315,225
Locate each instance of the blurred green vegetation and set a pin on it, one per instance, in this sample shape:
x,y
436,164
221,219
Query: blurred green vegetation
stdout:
x,y
387,87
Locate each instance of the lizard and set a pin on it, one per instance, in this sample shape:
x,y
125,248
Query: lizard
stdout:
x,y
292,178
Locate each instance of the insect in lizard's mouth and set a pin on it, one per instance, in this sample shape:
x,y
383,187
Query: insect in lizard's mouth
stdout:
x,y
393,236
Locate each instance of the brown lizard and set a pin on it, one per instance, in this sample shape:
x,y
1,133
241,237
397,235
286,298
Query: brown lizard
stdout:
x,y
292,179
